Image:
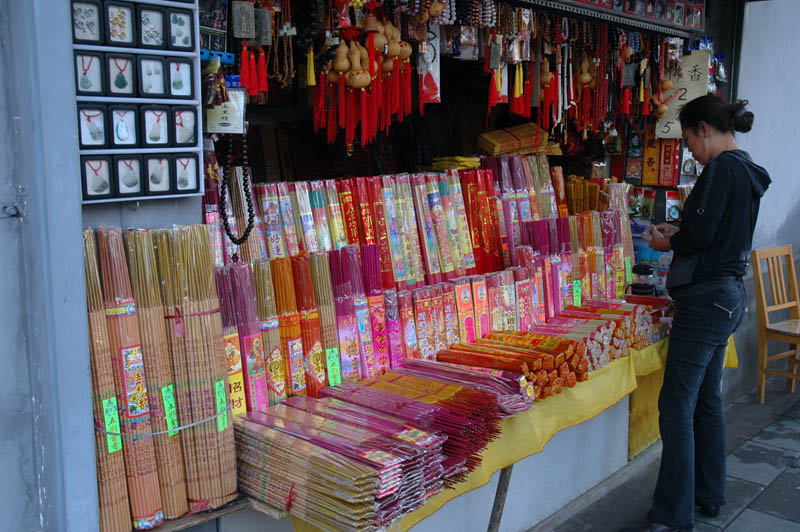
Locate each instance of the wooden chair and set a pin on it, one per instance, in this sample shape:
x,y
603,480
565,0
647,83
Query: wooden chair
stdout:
x,y
784,296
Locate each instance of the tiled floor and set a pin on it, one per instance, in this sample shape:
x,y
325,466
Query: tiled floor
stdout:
x,y
763,483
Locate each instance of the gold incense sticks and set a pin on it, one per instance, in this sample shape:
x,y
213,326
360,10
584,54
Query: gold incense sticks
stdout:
x,y
130,381
112,489
270,335
323,293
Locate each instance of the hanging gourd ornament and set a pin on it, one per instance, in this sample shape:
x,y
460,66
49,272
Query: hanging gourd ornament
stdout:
x,y
341,63
666,84
436,9
358,78
586,77
627,52
546,76
660,107
332,76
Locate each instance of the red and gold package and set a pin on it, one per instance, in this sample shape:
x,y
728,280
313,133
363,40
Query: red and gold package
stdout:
x,y
349,210
375,191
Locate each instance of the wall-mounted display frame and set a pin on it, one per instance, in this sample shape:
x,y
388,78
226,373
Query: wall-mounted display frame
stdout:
x,y
120,75
155,126
96,177
184,122
120,24
151,26
89,73
92,126
128,176
186,169
87,22
124,124
157,174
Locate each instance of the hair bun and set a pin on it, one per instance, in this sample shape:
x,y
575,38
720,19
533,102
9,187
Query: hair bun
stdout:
x,y
741,118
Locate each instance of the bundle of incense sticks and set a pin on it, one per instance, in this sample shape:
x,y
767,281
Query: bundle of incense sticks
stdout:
x,y
446,258
299,228
565,252
450,223
313,356
495,302
415,266
366,216
556,267
618,201
349,350
334,211
394,329
289,326
306,216
600,290
614,287
509,201
320,213
473,209
408,324
158,368
587,243
212,219
194,328
622,335
496,229
531,260
512,395
465,310
267,196
375,194
270,335
112,488
369,364
480,300
464,232
524,298
318,485
253,248
437,312
517,164
232,343
376,306
394,232
323,294
450,314
508,295
597,336
423,317
424,219
249,326
350,212
559,189
129,380
286,209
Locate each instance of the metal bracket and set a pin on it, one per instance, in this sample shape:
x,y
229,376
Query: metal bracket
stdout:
x,y
10,211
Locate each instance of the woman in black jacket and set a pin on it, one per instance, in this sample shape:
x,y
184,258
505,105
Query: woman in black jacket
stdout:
x,y
711,249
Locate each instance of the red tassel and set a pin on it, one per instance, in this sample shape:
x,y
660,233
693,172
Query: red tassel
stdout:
x,y
388,84
252,89
587,106
375,100
331,114
646,103
396,86
626,101
244,68
350,119
319,103
407,88
364,117
492,91
420,97
262,72
341,99
371,53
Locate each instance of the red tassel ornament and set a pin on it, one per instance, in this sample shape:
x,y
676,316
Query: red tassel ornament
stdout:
x,y
420,98
263,86
331,113
492,91
244,67
341,100
252,88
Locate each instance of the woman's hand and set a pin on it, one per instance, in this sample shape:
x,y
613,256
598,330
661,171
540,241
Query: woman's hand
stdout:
x,y
660,243
667,229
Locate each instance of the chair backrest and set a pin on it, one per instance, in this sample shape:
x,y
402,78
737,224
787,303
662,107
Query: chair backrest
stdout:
x,y
782,287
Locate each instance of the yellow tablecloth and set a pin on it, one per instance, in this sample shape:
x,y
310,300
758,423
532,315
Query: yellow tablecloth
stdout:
x,y
643,417
528,432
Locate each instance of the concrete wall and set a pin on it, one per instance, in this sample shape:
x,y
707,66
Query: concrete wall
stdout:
x,y
767,80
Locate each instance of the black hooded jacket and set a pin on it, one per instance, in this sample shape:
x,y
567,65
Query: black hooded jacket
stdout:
x,y
722,233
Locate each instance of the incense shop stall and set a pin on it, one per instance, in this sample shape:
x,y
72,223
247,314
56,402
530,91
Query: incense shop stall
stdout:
x,y
350,304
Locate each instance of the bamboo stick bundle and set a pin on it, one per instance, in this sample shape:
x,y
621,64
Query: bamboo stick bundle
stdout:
x,y
158,368
289,325
323,293
232,342
112,488
313,356
198,355
619,202
270,335
130,381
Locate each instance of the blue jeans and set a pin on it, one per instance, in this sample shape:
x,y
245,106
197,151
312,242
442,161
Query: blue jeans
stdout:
x,y
690,404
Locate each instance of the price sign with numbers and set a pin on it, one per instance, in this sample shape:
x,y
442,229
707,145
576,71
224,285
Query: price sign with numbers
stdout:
x,y
692,84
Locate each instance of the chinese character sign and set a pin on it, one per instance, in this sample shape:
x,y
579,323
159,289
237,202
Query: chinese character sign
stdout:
x,y
692,84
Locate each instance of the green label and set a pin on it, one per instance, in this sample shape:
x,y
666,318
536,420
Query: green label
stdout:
x,y
576,293
111,415
334,371
628,273
170,412
222,408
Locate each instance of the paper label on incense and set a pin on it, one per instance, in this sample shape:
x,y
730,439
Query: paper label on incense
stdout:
x,y
348,348
464,230
409,332
256,377
480,297
620,283
295,359
393,231
122,308
148,522
111,415
628,271
170,412
287,219
380,337
315,364
233,356
272,225
333,364
369,365
450,317
576,293
414,436
394,332
222,408
466,313
135,387
508,296
524,307
276,376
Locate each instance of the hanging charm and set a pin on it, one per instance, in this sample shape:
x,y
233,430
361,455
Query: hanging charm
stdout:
x,y
121,131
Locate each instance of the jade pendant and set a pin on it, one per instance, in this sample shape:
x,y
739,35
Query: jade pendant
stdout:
x,y
130,180
119,81
85,82
122,131
183,180
155,176
177,84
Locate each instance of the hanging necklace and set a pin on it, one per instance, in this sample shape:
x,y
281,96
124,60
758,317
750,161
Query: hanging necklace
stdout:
x,y
130,179
99,185
120,81
185,134
183,178
85,82
177,83
121,129
95,132
158,172
223,193
155,130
